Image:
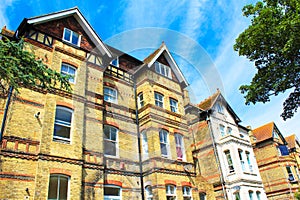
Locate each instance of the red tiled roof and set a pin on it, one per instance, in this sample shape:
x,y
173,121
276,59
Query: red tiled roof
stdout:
x,y
6,32
291,140
264,132
209,102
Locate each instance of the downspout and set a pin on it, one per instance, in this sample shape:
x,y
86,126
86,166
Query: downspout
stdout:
x,y
216,155
5,112
139,139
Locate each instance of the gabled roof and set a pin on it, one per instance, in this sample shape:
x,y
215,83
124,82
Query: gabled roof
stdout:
x,y
292,141
265,132
163,50
208,103
80,19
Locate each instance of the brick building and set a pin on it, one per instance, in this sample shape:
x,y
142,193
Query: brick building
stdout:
x,y
121,134
223,150
277,165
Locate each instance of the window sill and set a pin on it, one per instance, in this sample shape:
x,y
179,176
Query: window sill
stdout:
x,y
63,141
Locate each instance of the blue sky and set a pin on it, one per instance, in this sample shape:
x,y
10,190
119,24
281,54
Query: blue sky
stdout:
x,y
199,33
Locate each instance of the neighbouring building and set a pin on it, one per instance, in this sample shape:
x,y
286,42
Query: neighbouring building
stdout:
x,y
223,150
277,161
121,134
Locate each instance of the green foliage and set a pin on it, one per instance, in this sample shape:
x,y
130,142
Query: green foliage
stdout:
x,y
20,68
272,42
297,195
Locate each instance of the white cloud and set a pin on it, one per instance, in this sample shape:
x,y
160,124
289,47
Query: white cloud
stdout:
x,y
3,18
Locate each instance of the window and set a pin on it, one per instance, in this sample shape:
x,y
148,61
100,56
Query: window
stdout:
x,y
173,105
241,159
290,173
275,134
229,130
202,196
110,95
115,62
164,143
249,161
250,195
159,99
111,143
187,193
112,193
229,161
171,192
71,37
144,144
149,193
140,100
162,69
68,70
179,146
222,130
237,196
220,108
58,187
62,124
258,195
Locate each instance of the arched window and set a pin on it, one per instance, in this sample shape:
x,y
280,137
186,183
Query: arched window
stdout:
x,y
222,130
67,69
202,196
250,195
144,145
149,193
164,143
187,193
258,195
62,124
242,159
179,146
229,161
159,99
58,187
112,192
111,140
110,95
171,192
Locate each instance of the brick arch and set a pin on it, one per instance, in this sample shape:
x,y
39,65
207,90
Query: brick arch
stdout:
x,y
60,171
113,182
65,104
73,64
111,123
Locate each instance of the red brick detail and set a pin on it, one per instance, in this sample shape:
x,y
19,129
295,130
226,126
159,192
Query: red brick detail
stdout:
x,y
16,145
113,182
68,105
110,85
184,183
95,159
4,144
168,182
110,123
60,171
70,63
27,147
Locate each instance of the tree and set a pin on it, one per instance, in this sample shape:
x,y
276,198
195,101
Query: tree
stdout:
x,y
272,42
20,68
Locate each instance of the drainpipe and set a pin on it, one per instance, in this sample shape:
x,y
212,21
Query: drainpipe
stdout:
x,y
139,139
216,155
5,112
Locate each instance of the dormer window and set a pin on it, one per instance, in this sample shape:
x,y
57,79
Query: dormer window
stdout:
x,y
71,37
115,62
220,108
163,69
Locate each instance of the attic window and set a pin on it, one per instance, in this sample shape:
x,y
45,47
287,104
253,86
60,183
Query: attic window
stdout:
x,y
220,108
71,37
163,69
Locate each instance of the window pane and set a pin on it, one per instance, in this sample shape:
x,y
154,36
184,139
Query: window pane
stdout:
x,y
110,148
63,189
202,196
163,148
63,115
61,131
67,35
111,191
75,38
53,184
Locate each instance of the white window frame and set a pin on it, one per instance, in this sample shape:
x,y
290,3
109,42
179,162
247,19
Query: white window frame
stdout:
x,y
258,195
71,79
290,173
141,101
58,185
71,36
145,149
162,69
222,130
229,130
111,197
116,141
241,157
220,108
108,96
169,192
187,192
173,105
159,99
250,192
164,141
229,161
179,144
249,161
62,123
149,192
